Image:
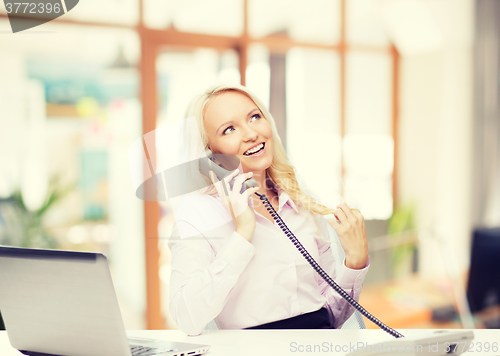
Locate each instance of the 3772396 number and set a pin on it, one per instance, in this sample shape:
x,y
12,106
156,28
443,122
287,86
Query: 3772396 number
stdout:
x,y
32,8
471,346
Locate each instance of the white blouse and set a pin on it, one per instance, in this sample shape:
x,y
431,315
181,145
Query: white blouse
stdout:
x,y
217,274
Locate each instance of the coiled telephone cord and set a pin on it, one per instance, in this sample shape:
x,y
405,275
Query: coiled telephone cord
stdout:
x,y
320,270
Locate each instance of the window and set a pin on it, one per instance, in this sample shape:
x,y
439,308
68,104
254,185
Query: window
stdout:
x,y
324,67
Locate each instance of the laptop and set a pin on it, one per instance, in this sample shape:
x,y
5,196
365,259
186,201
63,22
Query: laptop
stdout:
x,y
64,303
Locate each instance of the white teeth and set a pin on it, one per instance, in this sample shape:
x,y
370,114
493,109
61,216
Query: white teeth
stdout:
x,y
255,149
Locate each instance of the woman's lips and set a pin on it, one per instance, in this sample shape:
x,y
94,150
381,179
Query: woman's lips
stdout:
x,y
254,147
258,154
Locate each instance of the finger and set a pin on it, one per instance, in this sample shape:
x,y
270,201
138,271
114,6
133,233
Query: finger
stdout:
x,y
340,216
357,213
335,224
339,213
220,187
331,216
250,191
333,220
220,191
225,184
238,182
216,183
231,175
347,211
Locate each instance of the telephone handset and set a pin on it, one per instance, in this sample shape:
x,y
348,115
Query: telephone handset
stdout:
x,y
223,165
230,163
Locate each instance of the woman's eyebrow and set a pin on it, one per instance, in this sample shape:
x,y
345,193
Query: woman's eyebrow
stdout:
x,y
250,113
224,124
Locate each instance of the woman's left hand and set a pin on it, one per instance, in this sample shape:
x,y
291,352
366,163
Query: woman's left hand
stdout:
x,y
350,227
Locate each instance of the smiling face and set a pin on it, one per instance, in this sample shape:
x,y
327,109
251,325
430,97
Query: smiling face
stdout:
x,y
235,125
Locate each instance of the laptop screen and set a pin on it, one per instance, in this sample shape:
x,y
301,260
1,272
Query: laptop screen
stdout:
x,y
60,302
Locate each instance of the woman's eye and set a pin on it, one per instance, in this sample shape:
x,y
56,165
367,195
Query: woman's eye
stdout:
x,y
228,130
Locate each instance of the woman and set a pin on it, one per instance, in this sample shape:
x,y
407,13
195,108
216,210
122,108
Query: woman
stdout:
x,y
238,267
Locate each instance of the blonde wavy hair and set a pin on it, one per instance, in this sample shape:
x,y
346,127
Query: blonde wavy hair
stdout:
x,y
281,172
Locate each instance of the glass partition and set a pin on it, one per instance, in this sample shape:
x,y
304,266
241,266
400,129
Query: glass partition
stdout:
x,y
181,75
365,23
258,72
368,146
314,21
123,12
70,107
313,121
215,17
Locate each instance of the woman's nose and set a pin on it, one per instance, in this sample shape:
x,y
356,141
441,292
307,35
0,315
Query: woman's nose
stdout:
x,y
250,134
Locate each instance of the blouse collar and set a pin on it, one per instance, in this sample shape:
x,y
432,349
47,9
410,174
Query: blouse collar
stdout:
x,y
283,198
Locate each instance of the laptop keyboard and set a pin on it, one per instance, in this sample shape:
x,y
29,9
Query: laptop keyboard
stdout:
x,y
147,351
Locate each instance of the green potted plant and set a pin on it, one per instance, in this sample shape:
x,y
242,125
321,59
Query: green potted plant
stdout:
x,y
31,232
402,226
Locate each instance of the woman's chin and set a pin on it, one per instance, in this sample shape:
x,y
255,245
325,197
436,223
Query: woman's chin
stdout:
x,y
262,166
257,164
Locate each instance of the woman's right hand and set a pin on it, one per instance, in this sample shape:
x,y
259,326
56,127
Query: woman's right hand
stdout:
x,y
237,203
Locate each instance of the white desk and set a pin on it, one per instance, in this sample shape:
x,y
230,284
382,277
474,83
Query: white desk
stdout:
x,y
282,342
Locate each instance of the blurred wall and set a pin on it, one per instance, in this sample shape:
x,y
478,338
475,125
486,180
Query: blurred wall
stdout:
x,y
435,164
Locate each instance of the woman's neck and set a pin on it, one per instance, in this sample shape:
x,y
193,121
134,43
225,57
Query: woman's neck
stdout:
x,y
264,187
260,177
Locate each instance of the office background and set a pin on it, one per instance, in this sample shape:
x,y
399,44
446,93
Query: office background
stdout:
x,y
389,105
